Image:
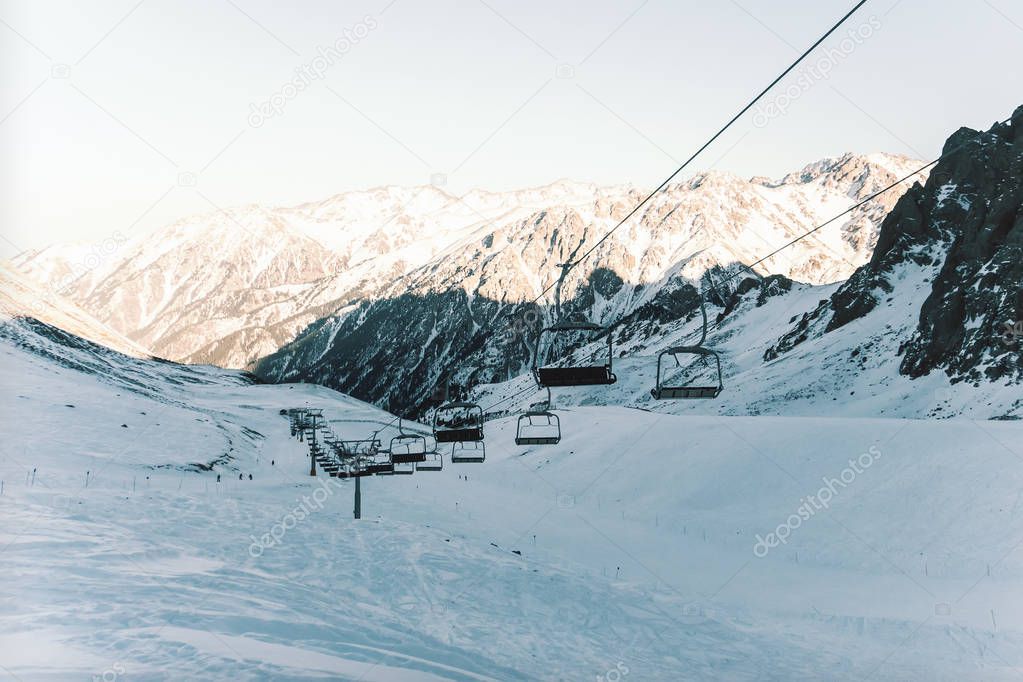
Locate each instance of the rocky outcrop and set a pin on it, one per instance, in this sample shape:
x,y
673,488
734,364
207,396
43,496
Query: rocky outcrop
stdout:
x,y
978,212
960,234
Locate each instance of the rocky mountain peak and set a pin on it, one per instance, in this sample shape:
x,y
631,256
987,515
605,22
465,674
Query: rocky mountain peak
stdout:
x,y
958,239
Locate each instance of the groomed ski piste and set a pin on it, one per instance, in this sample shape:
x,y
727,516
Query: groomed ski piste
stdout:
x,y
644,546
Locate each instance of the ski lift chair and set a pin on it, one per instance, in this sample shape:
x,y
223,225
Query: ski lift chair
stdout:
x,y
538,426
381,464
375,462
458,422
403,468
468,452
579,375
380,468
434,462
329,465
352,472
358,466
367,447
408,448
663,391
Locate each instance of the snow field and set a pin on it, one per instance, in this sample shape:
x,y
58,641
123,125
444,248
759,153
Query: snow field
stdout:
x,y
626,552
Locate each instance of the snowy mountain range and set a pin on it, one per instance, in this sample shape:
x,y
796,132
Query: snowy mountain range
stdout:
x,y
391,294
233,286
918,330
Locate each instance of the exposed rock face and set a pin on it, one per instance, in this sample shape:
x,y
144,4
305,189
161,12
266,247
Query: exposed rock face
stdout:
x,y
766,288
979,289
394,351
961,234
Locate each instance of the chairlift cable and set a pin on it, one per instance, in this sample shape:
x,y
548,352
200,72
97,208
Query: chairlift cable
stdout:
x,y
852,208
706,144
692,157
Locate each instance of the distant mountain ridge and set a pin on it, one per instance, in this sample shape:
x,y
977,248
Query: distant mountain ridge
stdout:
x,y
22,299
230,287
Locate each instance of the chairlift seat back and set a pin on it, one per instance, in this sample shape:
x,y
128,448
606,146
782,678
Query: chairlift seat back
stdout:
x,y
433,463
537,440
408,457
553,377
408,448
684,392
456,435
665,392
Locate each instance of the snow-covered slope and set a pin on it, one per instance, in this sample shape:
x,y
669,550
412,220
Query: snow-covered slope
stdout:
x,y
21,297
232,286
852,372
642,547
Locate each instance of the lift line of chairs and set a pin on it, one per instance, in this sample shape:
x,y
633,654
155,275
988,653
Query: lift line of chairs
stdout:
x,y
460,422
539,425
407,452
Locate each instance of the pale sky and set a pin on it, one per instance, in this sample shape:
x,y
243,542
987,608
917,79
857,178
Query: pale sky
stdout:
x,y
110,110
